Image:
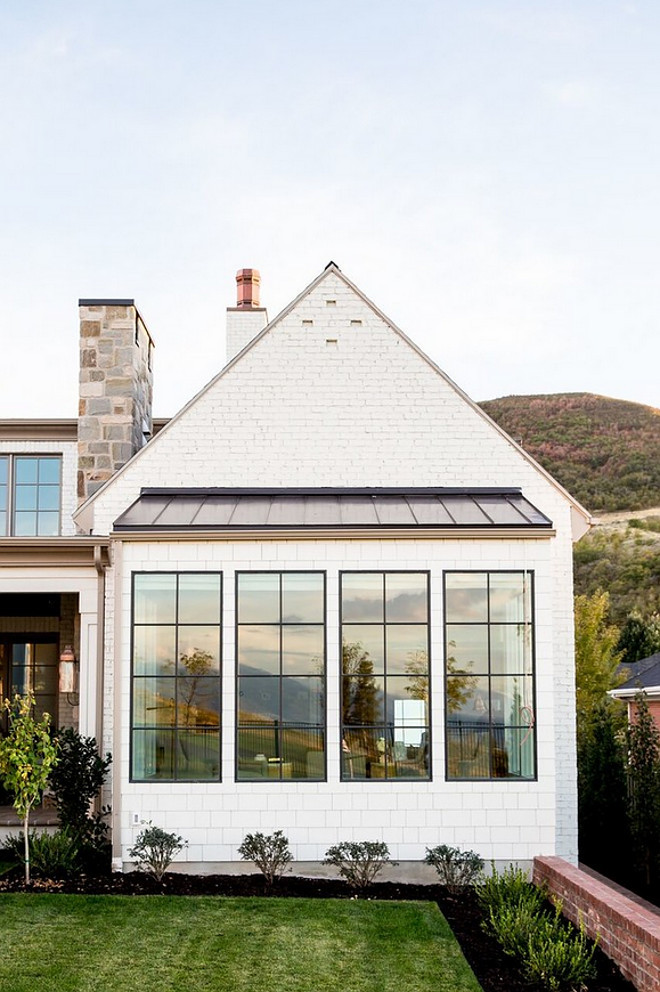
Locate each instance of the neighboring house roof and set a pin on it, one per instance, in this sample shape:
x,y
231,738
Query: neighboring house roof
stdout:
x,y
209,509
581,519
644,675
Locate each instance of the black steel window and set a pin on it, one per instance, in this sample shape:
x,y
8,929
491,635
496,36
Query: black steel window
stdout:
x,y
175,711
29,663
489,647
385,675
30,493
280,648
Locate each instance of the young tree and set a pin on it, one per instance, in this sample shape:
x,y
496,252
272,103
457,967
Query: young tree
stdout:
x,y
639,638
644,771
602,795
27,755
360,695
596,657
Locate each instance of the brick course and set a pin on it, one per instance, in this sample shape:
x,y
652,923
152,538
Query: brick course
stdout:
x,y
627,928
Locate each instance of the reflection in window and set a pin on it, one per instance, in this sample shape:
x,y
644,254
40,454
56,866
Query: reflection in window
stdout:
x,y
175,710
280,638
490,675
385,675
33,667
4,493
30,488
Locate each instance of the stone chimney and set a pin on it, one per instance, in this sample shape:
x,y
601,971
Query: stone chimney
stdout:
x,y
247,318
116,389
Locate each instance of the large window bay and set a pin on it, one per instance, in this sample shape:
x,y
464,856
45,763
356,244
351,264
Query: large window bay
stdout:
x,y
176,651
280,646
489,649
385,675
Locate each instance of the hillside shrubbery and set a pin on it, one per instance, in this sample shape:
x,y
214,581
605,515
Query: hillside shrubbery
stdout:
x,y
606,452
626,563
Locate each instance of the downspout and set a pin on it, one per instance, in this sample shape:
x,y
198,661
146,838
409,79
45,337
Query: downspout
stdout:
x,y
100,567
117,676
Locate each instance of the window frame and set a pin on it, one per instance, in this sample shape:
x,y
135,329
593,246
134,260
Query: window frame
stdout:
x,y
237,724
175,781
8,667
384,572
532,624
11,509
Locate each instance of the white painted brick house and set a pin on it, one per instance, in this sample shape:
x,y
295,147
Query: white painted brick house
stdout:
x,y
334,598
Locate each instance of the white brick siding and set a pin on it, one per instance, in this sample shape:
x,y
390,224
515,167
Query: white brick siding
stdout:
x,y
505,820
345,401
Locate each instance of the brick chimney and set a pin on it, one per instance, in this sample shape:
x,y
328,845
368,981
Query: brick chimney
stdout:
x,y
247,318
116,389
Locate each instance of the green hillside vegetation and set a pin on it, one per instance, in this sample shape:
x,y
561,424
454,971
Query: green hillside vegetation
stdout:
x,y
606,452
624,561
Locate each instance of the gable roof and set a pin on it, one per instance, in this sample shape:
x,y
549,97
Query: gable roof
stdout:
x,y
644,674
580,517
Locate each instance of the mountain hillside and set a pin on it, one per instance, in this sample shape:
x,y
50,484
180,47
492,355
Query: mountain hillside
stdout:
x,y
623,558
606,452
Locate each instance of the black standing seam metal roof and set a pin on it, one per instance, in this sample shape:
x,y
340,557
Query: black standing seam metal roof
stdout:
x,y
243,509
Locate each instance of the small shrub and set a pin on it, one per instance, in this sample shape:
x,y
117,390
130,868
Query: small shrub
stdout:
x,y
508,888
76,781
557,956
269,852
13,847
155,849
552,954
455,868
512,925
51,855
358,862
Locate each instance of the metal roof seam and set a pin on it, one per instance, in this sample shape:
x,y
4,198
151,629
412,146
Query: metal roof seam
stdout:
x,y
480,507
518,511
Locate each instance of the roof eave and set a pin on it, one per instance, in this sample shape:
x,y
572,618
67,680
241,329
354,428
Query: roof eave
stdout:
x,y
366,532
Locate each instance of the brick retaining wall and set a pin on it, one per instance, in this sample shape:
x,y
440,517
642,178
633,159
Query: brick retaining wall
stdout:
x,y
629,931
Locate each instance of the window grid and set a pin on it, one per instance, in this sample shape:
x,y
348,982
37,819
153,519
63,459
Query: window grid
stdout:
x,y
398,759
30,495
487,747
183,747
280,742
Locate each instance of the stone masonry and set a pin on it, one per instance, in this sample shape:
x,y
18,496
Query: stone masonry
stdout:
x,y
116,389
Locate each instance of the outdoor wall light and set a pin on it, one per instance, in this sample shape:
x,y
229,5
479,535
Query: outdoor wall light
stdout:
x,y
67,672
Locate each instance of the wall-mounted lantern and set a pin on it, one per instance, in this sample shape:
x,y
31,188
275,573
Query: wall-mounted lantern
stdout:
x,y
68,666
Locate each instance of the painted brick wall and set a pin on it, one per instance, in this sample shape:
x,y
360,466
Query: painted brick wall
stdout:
x,y
504,820
328,403
331,395
628,931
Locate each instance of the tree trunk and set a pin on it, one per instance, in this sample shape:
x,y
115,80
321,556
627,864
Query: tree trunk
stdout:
x,y
26,824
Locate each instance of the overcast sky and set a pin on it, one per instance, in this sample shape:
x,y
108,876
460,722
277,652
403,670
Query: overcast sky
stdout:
x,y
487,171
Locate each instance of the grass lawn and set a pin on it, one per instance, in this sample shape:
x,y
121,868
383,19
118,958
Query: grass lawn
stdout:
x,y
68,943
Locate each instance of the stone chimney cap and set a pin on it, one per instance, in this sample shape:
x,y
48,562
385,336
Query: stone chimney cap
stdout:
x,y
247,289
106,303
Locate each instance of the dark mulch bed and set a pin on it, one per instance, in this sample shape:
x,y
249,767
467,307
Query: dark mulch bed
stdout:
x,y
495,971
